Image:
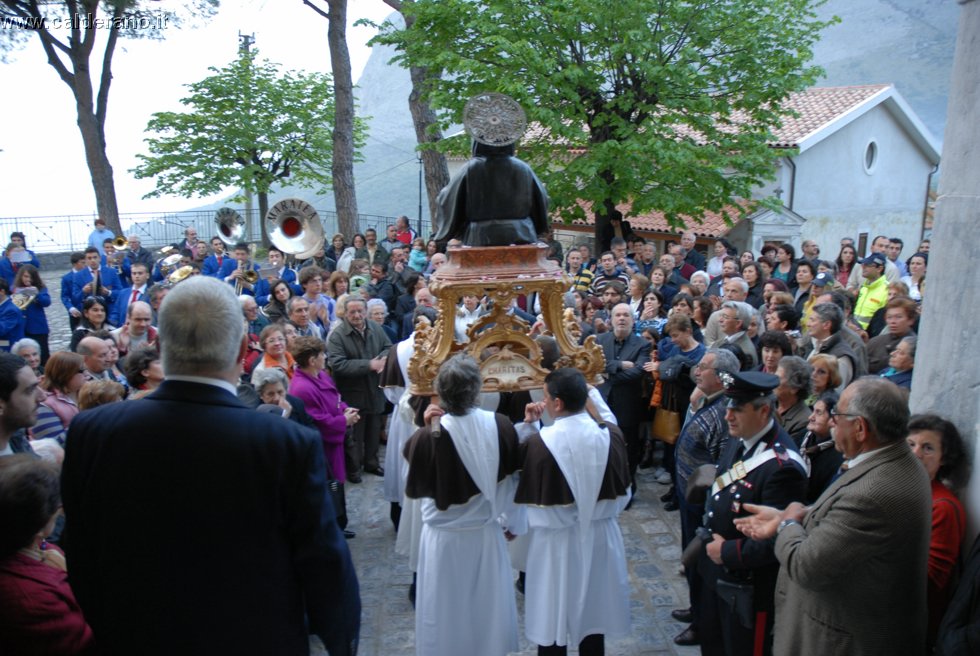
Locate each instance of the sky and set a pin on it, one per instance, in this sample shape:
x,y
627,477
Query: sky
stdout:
x,y
42,161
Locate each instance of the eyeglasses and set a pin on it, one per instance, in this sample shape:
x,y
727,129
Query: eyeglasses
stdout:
x,y
276,340
700,367
834,414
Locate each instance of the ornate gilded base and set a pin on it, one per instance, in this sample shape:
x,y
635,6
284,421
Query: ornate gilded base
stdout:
x,y
509,358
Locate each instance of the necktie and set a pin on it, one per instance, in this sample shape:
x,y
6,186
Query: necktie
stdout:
x,y
220,259
739,452
136,293
840,472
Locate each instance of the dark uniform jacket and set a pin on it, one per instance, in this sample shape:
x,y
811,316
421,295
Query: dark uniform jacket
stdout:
x,y
776,483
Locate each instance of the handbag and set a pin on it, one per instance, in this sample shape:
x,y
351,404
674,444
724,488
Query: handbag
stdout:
x,y
666,425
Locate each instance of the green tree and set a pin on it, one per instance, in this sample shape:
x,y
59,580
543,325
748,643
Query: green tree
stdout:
x,y
668,105
89,23
248,125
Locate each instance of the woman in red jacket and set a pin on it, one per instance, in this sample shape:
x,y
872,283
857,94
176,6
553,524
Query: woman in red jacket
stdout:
x,y
40,614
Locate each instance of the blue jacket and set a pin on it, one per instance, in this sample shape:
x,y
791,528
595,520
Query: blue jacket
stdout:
x,y
110,280
35,321
211,268
67,287
117,315
262,287
11,324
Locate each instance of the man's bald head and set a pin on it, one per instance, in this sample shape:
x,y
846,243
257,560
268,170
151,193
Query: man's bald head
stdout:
x,y
95,353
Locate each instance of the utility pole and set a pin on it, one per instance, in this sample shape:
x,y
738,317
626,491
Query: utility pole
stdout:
x,y
245,42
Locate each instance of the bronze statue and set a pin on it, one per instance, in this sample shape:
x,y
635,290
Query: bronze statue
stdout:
x,y
495,200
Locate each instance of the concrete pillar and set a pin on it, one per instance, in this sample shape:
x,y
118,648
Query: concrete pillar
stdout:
x,y
947,371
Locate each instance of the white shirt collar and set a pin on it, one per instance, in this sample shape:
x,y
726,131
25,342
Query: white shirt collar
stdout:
x,y
205,380
750,442
861,457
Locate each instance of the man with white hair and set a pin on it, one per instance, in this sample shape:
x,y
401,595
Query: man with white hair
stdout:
x,y
250,309
692,257
357,350
137,253
675,279
734,317
733,289
229,476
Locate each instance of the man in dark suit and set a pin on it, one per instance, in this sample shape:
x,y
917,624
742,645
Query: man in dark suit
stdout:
x,y
760,464
625,356
199,526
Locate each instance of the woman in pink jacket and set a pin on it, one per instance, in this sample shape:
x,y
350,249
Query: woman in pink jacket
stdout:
x,y
317,390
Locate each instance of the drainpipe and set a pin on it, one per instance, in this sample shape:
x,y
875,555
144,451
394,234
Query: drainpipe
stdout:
x,y
792,182
925,206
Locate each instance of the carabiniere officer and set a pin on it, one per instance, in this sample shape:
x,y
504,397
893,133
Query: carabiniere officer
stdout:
x,y
761,465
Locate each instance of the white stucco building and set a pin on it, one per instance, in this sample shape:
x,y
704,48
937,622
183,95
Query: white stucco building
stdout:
x,y
863,166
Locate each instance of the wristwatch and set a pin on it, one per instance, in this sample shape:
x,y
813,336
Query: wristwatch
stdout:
x,y
783,524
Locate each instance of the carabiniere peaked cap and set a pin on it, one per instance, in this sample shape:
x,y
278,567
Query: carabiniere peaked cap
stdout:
x,y
745,386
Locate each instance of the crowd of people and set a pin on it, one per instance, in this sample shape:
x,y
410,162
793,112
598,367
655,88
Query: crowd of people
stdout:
x,y
768,390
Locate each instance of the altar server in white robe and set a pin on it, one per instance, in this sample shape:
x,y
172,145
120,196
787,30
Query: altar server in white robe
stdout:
x,y
575,483
463,471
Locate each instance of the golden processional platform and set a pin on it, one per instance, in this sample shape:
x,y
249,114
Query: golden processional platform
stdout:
x,y
509,358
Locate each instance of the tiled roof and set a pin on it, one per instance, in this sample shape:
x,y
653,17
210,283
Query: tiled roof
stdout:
x,y
817,107
712,223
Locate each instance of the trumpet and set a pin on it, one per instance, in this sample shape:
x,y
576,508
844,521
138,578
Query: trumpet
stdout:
x,y
248,275
120,243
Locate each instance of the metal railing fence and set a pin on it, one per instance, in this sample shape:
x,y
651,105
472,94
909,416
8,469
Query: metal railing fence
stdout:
x,y
70,232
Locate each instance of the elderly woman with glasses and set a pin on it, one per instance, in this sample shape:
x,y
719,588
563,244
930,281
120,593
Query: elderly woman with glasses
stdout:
x,y
273,342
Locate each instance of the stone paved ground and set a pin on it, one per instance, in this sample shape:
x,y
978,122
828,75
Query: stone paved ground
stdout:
x,y
60,335
652,538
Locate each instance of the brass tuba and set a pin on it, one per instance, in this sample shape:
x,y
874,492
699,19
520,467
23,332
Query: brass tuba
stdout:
x,y
294,227
180,274
23,297
231,226
168,264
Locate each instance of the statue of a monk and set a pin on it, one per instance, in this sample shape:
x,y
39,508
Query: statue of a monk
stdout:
x,y
495,200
